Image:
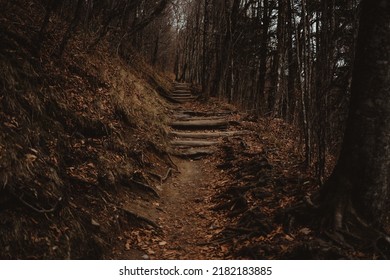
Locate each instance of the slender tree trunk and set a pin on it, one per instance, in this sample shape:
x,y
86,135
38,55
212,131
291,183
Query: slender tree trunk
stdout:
x,y
292,66
276,100
263,56
306,82
176,65
205,51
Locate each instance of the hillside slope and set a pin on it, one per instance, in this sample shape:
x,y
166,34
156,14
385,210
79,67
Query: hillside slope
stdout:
x,y
77,135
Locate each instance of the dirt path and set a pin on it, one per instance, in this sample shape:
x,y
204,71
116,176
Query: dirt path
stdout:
x,y
187,220
233,196
187,224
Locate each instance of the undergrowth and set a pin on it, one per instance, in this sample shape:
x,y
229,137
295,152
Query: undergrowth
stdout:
x,y
74,132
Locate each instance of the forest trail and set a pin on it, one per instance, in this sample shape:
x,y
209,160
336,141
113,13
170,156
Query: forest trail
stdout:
x,y
184,212
233,183
187,218
189,223
103,156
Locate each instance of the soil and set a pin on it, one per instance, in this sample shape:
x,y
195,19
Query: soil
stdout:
x,y
186,221
184,212
87,171
243,200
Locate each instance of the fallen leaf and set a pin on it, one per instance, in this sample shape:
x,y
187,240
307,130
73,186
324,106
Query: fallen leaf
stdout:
x,y
289,237
128,245
305,231
95,223
151,252
31,157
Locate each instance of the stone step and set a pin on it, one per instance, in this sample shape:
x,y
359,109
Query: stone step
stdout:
x,y
193,152
207,135
182,95
193,143
190,118
181,91
182,86
184,99
199,124
194,113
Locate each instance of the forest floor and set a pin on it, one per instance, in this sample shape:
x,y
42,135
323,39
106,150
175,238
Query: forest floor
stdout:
x,y
232,203
87,170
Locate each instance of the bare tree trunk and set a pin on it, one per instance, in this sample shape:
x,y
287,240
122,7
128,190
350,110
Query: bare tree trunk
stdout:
x,y
205,55
360,181
324,73
276,99
306,83
292,66
263,56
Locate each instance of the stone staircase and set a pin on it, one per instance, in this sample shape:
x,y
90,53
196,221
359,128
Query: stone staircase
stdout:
x,y
182,93
197,134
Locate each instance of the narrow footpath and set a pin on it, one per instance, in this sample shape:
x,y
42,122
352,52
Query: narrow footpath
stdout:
x,y
187,219
235,182
184,212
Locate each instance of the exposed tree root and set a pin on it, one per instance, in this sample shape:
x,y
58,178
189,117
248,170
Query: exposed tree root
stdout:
x,y
169,173
162,179
137,216
144,187
343,229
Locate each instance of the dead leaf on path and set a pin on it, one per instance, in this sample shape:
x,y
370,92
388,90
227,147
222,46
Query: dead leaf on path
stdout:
x,y
151,252
305,231
128,245
289,237
224,248
162,243
31,157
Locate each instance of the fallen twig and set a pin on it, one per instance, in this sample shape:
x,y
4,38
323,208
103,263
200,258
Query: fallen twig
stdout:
x,y
40,210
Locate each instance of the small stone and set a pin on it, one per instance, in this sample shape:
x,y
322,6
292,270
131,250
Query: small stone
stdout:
x,y
145,257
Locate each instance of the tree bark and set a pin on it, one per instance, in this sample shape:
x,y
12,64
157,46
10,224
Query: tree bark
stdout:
x,y
263,55
361,179
276,97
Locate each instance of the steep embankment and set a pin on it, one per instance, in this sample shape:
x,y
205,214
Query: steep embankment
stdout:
x,y
77,134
